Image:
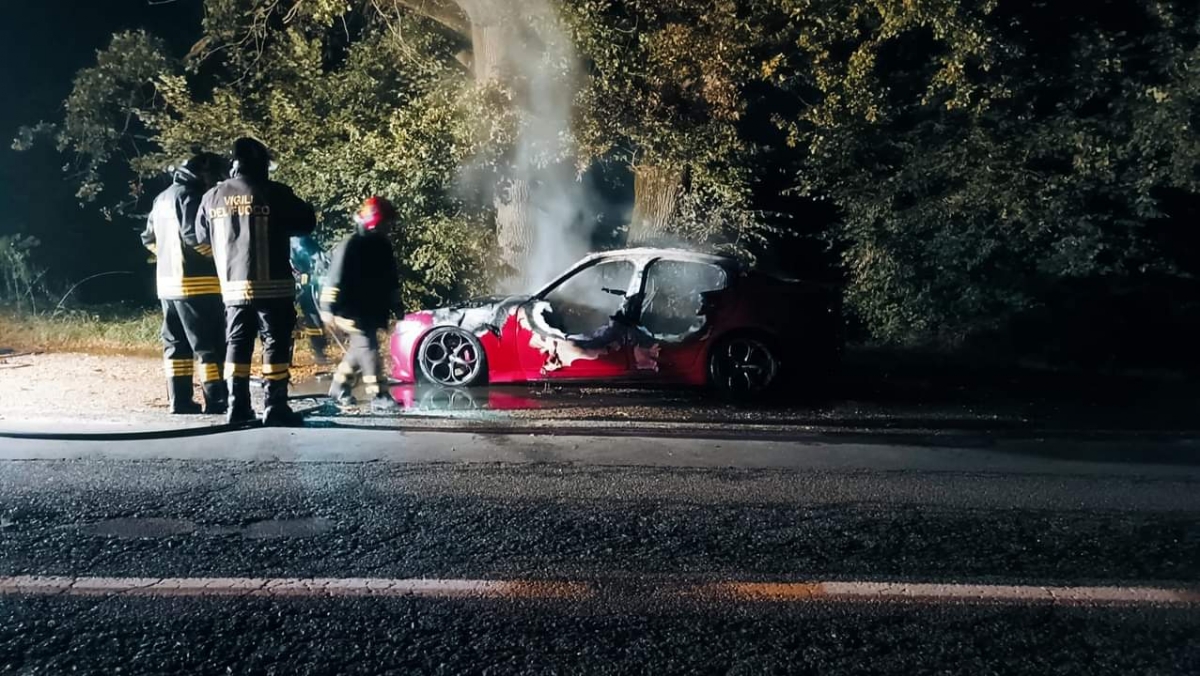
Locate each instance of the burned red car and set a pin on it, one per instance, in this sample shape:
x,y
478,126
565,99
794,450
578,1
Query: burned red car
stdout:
x,y
664,316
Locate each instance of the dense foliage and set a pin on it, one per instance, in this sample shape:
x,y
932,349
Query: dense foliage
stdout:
x,y
985,158
982,152
349,111
665,94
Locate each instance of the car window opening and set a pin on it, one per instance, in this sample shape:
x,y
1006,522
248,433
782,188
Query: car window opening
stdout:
x,y
588,303
673,303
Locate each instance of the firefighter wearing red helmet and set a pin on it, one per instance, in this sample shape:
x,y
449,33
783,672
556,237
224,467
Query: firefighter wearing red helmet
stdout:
x,y
193,324
357,296
248,221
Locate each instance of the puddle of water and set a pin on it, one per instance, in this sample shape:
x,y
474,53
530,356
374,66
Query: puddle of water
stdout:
x,y
286,528
134,528
435,400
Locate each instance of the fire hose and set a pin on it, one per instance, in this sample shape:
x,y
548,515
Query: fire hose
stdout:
x,y
150,435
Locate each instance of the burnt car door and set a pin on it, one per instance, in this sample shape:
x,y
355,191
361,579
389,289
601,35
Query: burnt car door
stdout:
x,y
581,326
678,304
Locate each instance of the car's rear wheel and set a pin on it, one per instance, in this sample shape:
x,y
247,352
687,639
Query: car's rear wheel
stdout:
x,y
743,366
452,357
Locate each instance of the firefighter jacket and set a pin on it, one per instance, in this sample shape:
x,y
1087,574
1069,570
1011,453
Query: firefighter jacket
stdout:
x,y
185,266
362,283
249,221
309,261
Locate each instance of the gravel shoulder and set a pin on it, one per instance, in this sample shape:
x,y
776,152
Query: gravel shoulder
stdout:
x,y
74,387
82,386
89,388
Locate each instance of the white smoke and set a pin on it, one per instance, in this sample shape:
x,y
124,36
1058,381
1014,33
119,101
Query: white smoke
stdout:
x,y
540,65
562,210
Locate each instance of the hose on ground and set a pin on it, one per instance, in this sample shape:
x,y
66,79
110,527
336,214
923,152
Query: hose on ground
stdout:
x,y
149,435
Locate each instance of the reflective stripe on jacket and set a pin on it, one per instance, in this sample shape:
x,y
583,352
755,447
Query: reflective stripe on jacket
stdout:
x,y
185,267
249,224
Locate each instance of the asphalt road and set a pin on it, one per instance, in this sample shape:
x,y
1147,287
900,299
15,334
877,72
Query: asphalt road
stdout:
x,y
442,553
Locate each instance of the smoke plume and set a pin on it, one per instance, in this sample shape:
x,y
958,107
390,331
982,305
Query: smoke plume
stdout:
x,y
539,65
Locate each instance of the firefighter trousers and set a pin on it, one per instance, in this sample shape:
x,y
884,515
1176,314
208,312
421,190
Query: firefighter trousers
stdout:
x,y
273,321
193,328
311,326
362,357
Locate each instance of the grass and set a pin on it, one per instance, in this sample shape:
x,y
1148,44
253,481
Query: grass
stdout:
x,y
104,330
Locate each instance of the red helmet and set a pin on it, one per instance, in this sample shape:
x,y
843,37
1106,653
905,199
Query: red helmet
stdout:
x,y
374,210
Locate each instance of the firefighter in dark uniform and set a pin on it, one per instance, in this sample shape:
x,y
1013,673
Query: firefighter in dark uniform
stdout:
x,y
309,264
248,221
193,314
361,289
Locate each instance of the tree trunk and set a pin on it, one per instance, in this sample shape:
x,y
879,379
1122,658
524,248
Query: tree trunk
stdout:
x,y
487,47
656,192
490,39
514,224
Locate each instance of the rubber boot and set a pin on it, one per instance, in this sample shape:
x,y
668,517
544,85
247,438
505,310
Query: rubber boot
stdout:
x,y
216,397
383,403
240,410
180,396
342,393
278,413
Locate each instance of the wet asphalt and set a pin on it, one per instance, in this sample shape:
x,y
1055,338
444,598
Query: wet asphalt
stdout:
x,y
630,531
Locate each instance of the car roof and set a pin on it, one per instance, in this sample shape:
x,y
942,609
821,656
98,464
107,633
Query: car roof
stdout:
x,y
644,254
663,252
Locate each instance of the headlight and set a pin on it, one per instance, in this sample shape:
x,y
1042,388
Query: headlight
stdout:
x,y
409,326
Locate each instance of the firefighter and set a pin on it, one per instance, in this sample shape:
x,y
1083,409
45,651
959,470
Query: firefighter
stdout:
x,y
309,263
248,221
360,290
193,315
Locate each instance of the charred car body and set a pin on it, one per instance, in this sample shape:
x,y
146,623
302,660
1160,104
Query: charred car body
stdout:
x,y
658,315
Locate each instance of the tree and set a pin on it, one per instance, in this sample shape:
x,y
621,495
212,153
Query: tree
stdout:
x,y
349,109
516,54
666,92
982,154
101,126
520,63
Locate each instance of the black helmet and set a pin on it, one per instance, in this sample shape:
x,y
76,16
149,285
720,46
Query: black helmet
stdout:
x,y
207,167
202,167
251,157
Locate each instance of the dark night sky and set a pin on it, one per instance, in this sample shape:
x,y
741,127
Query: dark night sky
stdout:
x,y
42,44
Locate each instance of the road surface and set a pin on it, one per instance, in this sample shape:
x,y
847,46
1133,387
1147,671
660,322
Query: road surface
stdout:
x,y
361,551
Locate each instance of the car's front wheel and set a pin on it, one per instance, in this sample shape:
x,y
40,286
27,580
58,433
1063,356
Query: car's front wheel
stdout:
x,y
743,366
452,357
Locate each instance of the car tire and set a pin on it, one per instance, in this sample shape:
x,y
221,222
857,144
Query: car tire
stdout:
x,y
743,367
451,357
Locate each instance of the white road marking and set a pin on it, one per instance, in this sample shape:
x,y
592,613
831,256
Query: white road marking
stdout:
x,y
788,592
285,587
951,593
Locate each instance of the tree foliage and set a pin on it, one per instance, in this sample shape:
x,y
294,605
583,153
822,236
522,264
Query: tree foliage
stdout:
x,y
350,105
983,152
981,155
101,127
666,91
